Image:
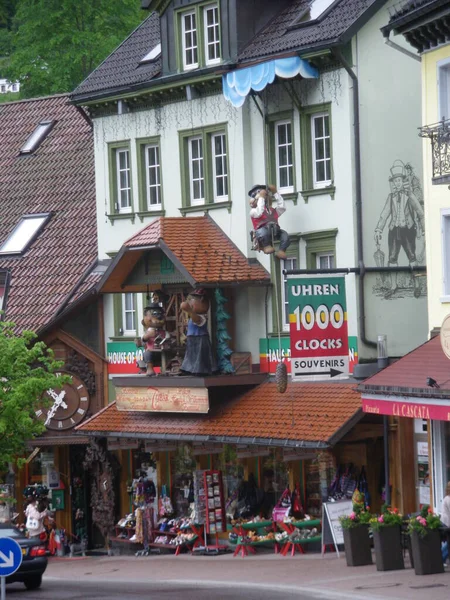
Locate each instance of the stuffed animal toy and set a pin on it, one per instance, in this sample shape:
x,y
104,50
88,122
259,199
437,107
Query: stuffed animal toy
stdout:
x,y
265,219
199,358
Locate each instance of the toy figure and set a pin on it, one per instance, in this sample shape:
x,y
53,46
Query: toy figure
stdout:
x,y
155,336
265,219
35,518
199,358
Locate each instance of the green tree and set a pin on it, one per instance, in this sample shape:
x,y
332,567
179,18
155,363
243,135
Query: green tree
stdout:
x,y
57,43
27,370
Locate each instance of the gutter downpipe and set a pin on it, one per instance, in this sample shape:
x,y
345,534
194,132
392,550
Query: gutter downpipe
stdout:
x,y
359,234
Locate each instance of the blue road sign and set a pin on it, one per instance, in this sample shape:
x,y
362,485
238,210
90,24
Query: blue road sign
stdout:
x,y
10,556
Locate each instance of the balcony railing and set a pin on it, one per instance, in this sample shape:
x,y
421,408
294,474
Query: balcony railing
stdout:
x,y
439,134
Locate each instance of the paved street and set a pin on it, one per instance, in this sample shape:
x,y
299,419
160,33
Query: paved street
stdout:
x,y
261,577
76,590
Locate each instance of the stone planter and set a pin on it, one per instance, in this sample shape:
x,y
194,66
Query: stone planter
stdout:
x,y
387,542
426,553
357,546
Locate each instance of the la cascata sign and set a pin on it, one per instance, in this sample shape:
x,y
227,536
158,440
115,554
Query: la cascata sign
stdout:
x,y
318,326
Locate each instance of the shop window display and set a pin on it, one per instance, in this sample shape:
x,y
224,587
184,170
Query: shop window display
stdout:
x,y
183,467
274,479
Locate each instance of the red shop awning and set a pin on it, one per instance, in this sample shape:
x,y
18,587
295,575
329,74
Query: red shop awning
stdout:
x,y
413,408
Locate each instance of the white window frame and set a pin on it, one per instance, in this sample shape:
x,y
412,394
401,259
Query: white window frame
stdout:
x,y
320,184
123,209
216,28
196,201
157,167
290,167
193,31
443,83
125,311
445,253
224,159
327,255
293,260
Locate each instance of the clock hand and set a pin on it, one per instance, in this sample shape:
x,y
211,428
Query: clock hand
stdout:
x,y
56,404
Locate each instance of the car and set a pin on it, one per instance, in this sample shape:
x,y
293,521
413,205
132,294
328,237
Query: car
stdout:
x,y
34,559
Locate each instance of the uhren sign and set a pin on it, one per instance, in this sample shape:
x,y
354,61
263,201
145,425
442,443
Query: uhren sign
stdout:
x,y
318,326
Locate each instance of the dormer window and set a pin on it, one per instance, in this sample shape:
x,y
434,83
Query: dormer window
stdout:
x,y
199,30
190,48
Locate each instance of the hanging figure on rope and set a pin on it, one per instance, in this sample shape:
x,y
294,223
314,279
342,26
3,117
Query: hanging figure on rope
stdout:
x,y
265,220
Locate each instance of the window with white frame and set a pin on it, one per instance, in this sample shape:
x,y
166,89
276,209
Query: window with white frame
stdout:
x,y
123,181
196,170
445,228
129,314
321,149
220,168
189,40
211,34
444,89
153,176
284,156
289,263
325,260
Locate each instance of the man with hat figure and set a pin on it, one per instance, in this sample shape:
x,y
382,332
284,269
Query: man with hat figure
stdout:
x,y
265,219
199,358
406,223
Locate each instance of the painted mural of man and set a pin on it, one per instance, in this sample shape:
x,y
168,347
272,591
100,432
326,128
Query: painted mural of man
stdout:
x,y
406,223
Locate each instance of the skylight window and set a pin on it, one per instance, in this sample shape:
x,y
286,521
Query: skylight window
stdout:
x,y
153,54
23,234
315,9
38,135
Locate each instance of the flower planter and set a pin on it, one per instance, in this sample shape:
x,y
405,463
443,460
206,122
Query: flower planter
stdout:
x,y
426,553
357,546
388,548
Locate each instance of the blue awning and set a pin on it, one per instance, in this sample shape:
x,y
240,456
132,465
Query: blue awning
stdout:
x,y
238,83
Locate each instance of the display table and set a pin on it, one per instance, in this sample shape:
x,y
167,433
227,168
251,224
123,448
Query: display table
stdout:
x,y
295,545
244,547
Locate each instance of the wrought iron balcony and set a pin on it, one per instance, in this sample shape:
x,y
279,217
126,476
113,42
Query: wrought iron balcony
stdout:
x,y
439,134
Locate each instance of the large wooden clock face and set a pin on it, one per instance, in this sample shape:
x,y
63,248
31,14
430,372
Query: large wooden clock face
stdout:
x,y
68,405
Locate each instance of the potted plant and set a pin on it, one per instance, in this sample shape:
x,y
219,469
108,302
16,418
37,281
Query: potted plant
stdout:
x,y
426,542
387,539
355,527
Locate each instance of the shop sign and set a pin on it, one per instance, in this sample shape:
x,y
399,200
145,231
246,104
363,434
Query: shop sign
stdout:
x,y
163,399
270,354
318,326
122,444
411,410
122,358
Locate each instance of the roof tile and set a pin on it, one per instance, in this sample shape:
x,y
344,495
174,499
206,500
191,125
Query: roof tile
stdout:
x,y
57,178
215,257
299,415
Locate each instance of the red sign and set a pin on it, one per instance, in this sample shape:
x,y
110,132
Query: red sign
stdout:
x,y
318,326
411,410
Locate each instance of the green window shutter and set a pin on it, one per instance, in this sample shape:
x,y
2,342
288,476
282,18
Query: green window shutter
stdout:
x,y
117,306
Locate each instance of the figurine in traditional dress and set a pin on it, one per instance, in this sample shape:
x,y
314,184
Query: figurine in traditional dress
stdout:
x,y
265,219
199,358
154,338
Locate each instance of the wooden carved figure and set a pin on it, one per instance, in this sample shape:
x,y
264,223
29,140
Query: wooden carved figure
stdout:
x,y
154,338
265,219
199,358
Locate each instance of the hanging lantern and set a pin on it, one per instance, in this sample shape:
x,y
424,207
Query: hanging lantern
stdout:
x,y
281,377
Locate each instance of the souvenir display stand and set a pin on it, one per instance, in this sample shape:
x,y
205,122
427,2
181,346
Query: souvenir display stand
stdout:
x,y
298,534
215,520
244,544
